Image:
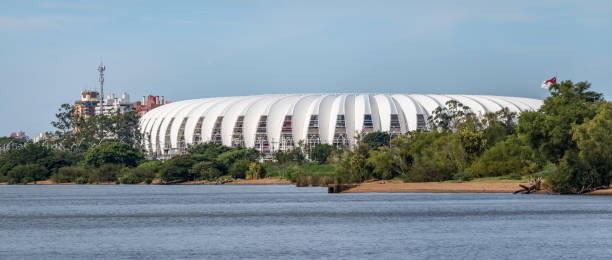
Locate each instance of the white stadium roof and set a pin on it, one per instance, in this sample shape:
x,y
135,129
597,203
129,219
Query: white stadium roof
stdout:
x,y
272,122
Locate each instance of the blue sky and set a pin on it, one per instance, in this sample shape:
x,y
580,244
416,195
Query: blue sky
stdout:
x,y
49,50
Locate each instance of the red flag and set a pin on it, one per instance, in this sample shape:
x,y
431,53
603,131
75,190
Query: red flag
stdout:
x,y
547,83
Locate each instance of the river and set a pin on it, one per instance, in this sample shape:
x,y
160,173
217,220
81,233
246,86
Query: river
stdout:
x,y
285,222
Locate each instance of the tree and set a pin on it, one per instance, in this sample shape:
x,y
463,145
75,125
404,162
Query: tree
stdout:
x,y
178,168
106,173
206,170
294,155
321,153
382,163
30,153
506,157
226,159
114,153
499,125
376,139
210,149
437,159
27,173
65,122
549,130
255,171
454,116
589,165
239,168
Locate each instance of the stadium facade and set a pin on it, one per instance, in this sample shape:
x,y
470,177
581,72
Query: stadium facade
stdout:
x,y
279,122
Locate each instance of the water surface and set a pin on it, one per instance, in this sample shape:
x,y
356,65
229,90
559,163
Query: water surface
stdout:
x,y
282,221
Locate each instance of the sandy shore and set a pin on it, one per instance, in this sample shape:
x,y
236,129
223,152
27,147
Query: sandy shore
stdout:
x,y
435,187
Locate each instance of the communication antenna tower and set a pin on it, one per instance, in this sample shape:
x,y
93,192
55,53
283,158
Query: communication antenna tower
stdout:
x,y
101,69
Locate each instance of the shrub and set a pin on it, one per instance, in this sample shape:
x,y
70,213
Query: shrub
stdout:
x,y
177,168
255,171
206,170
509,156
27,173
436,157
70,174
305,180
239,168
462,176
106,173
227,159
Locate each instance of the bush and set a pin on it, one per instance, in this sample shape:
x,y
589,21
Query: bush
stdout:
x,y
239,168
305,180
178,168
255,171
206,170
106,173
437,156
70,174
462,176
137,175
227,159
27,173
509,156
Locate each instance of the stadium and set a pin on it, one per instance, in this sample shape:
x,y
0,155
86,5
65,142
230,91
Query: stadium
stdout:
x,y
270,123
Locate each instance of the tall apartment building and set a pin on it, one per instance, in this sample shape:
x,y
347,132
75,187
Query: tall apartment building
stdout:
x,y
86,107
149,103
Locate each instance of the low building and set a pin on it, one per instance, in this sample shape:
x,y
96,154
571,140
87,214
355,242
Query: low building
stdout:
x,y
149,103
19,135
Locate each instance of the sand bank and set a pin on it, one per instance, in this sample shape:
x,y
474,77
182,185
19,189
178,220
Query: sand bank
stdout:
x,y
435,187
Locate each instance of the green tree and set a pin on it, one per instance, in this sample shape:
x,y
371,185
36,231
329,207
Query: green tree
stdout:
x,y
210,149
178,168
227,159
434,156
549,131
206,170
105,173
30,153
589,165
114,153
376,139
27,173
321,153
506,157
255,171
239,168
382,163
71,174
499,125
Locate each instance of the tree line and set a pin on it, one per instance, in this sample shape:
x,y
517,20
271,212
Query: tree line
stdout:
x,y
567,142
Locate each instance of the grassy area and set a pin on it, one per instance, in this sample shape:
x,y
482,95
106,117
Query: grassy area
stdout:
x,y
306,174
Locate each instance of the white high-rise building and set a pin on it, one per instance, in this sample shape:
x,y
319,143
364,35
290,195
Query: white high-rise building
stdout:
x,y
113,103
